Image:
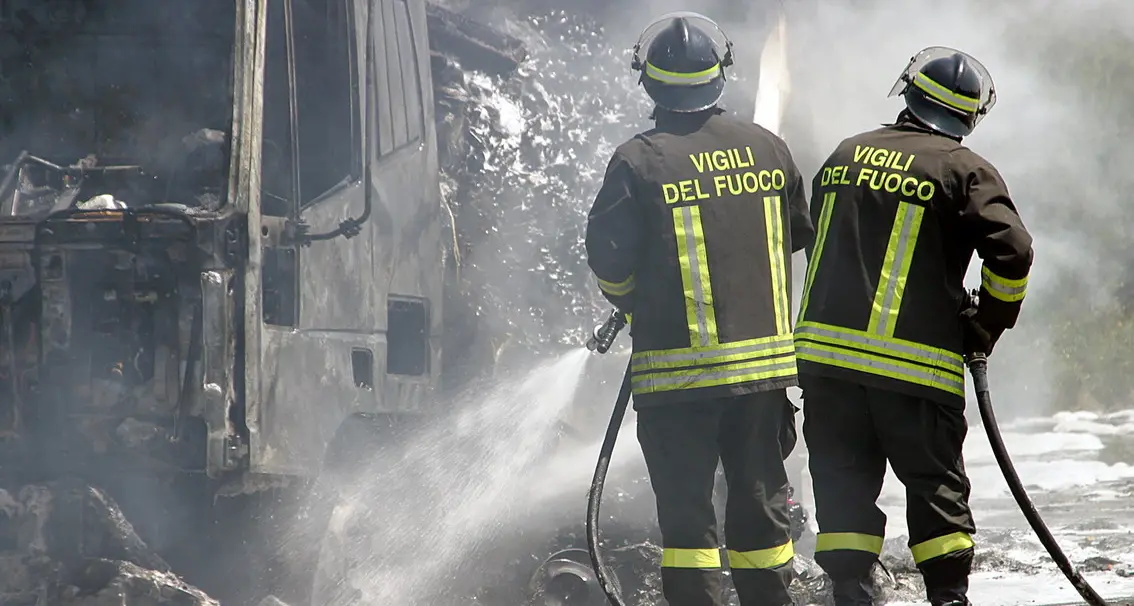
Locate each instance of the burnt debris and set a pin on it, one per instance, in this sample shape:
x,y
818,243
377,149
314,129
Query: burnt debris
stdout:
x,y
477,46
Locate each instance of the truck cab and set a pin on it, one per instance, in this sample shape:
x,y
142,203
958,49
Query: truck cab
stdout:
x,y
220,238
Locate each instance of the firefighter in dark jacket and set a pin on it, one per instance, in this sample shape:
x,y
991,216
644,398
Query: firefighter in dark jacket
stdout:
x,y
692,233
885,322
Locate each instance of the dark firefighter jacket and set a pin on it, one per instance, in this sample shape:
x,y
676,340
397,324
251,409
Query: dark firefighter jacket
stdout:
x,y
899,212
692,232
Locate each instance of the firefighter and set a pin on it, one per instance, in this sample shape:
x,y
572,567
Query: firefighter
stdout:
x,y
885,322
692,233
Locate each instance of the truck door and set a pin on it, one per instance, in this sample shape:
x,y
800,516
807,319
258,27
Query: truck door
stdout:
x,y
333,149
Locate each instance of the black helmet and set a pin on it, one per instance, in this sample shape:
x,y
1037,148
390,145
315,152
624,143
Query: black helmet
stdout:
x,y
684,67
947,90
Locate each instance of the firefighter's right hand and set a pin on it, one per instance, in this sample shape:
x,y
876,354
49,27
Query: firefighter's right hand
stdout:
x,y
976,338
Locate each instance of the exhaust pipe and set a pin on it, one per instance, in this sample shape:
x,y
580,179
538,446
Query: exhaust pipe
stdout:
x,y
566,578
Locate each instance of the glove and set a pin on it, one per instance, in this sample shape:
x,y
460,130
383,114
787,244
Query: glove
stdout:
x,y
976,338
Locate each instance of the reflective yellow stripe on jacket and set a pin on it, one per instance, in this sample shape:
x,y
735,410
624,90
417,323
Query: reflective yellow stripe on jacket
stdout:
x,y
695,276
1009,291
876,351
817,252
617,289
708,362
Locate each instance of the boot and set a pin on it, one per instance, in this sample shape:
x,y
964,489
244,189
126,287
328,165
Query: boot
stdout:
x,y
854,592
947,578
950,595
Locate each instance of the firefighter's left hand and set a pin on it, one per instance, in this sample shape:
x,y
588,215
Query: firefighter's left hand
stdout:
x,y
976,339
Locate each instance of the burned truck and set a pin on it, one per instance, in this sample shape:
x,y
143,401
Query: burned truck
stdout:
x,y
221,243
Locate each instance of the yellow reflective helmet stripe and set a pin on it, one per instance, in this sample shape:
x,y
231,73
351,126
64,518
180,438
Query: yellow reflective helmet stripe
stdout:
x,y
940,546
782,304
758,559
969,105
683,79
691,558
699,312
849,541
902,370
1005,289
617,289
729,374
817,251
895,269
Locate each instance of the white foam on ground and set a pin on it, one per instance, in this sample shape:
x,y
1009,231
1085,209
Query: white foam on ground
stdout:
x,y
995,589
1046,476
1109,425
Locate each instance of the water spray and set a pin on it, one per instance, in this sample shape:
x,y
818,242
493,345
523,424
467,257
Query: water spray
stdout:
x,y
600,341
978,368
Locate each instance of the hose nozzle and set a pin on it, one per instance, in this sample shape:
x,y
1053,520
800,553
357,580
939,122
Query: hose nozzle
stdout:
x,y
976,361
604,334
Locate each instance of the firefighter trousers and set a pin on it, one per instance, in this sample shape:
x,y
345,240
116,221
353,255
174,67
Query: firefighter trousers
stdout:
x,y
851,432
682,444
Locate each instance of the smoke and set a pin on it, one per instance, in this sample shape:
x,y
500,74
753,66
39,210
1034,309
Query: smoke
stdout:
x,y
1054,133
775,79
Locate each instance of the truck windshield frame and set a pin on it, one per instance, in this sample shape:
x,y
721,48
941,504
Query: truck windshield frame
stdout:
x,y
140,85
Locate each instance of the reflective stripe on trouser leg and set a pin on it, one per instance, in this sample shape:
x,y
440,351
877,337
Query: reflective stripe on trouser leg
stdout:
x,y
757,523
941,546
848,557
681,458
674,557
817,251
945,563
692,577
684,573
763,576
762,558
699,312
847,470
848,541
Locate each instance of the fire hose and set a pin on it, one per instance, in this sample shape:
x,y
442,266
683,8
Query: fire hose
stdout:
x,y
600,342
978,368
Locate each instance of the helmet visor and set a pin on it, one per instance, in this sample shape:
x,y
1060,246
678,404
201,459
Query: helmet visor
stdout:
x,y
720,40
982,105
